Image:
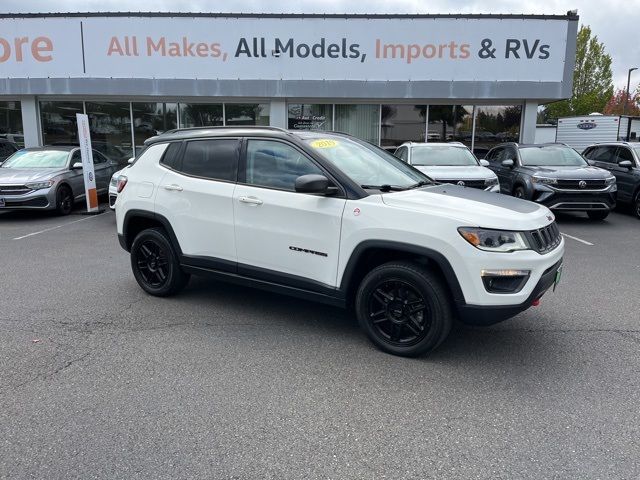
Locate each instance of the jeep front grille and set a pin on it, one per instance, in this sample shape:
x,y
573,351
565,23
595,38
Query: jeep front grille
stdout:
x,y
545,239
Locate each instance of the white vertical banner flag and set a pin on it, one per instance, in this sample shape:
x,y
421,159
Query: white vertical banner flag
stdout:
x,y
87,162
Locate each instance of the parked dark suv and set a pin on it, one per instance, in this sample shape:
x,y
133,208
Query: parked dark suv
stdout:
x,y
554,175
622,159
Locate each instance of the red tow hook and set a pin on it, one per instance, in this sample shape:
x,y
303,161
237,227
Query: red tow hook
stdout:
x,y
535,303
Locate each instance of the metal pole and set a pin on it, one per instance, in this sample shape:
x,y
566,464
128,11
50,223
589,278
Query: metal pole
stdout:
x,y
626,99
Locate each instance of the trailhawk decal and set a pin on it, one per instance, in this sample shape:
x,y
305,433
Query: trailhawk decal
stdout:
x,y
306,250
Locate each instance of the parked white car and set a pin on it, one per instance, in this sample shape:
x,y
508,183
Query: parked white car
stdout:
x,y
328,217
449,163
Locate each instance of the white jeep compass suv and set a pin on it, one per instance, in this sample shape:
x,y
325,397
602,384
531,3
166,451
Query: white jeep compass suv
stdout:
x,y
328,217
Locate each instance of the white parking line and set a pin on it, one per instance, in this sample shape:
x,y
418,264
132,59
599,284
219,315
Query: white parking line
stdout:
x,y
577,239
54,228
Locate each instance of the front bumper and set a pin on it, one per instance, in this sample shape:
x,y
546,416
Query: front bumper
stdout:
x,y
492,314
555,199
43,199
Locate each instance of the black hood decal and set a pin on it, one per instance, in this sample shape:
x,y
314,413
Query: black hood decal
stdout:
x,y
495,199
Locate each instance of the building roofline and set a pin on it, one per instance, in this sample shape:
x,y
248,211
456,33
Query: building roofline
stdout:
x,y
568,16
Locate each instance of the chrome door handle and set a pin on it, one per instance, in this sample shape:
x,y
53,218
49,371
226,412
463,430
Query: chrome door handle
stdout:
x,y
251,200
174,187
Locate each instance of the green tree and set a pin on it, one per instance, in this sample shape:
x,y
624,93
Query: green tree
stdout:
x,y
592,79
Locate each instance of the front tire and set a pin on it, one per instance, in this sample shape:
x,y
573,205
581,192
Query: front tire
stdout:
x,y
636,205
64,200
404,308
598,214
519,192
155,264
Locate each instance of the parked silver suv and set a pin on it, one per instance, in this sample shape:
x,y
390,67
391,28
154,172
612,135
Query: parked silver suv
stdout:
x,y
49,178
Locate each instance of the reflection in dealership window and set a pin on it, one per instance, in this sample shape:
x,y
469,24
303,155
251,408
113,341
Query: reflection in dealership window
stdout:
x,y
59,124
11,122
110,125
450,123
246,114
402,123
310,116
200,115
497,124
362,121
151,119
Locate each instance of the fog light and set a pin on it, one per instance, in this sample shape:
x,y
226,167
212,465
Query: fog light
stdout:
x,y
504,281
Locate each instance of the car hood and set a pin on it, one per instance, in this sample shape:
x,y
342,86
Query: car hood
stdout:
x,y
473,207
468,172
20,176
571,173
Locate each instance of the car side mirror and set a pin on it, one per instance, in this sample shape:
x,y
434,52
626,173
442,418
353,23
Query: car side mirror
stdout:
x,y
625,164
77,166
313,183
484,163
131,160
508,163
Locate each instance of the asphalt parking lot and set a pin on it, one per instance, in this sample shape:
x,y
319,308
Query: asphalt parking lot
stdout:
x,y
100,380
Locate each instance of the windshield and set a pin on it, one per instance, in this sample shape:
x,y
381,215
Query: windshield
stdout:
x,y
551,156
442,155
366,164
37,159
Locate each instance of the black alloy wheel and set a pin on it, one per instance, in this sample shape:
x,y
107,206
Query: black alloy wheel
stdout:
x,y
636,205
155,264
404,308
399,313
64,200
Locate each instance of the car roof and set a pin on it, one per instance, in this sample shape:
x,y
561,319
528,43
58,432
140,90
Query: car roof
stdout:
x,y
615,144
62,148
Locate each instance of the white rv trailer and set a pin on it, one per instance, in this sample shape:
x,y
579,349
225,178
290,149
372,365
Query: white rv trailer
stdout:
x,y
580,132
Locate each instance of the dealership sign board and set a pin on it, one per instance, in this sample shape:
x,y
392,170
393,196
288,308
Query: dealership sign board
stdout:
x,y
84,137
290,48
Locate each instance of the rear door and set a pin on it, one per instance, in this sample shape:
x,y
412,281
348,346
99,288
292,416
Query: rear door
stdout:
x,y
102,170
282,235
626,178
195,195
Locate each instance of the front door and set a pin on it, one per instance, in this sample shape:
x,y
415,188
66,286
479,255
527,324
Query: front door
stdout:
x,y
281,235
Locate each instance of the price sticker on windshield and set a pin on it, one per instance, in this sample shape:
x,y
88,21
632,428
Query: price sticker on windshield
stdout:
x,y
324,143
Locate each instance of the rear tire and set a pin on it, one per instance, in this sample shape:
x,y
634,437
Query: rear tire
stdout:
x,y
155,264
598,214
636,205
64,200
404,309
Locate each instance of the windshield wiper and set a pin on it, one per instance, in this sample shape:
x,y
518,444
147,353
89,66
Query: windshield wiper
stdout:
x,y
421,183
383,188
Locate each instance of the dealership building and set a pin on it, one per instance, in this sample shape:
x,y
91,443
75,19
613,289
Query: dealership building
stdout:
x,y
478,79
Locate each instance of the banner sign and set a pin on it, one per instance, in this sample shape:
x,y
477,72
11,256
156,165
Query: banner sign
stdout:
x,y
288,48
87,162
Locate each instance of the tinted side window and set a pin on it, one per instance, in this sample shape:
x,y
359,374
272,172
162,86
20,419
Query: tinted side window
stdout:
x,y
171,158
603,154
5,150
215,159
76,158
402,154
495,155
276,165
98,158
624,154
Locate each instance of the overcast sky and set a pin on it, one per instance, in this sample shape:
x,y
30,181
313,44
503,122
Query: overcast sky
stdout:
x,y
615,22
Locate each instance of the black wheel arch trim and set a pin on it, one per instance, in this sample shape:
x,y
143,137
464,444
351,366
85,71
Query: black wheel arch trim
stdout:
x,y
432,255
126,242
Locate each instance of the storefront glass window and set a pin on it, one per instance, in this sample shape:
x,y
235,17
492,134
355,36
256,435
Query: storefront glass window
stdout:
x,y
246,114
449,123
362,121
403,123
110,125
310,116
200,115
11,122
150,119
59,124
496,124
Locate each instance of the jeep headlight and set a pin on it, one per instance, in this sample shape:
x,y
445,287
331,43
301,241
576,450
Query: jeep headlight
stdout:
x,y
544,180
39,185
490,182
494,240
